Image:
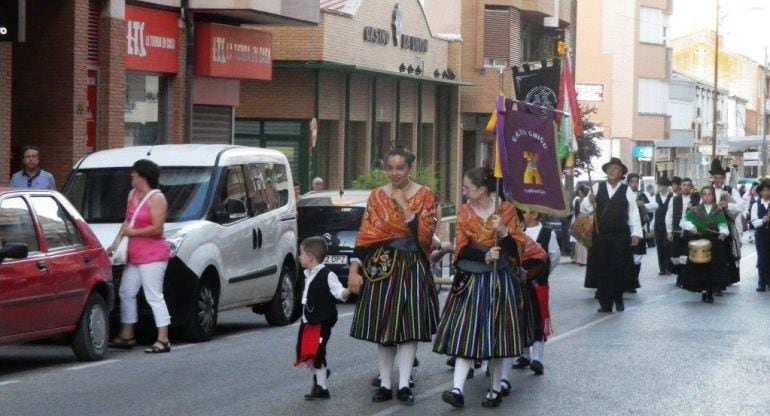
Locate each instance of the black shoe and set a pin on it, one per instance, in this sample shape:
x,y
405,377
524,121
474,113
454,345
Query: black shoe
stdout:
x,y
454,398
619,306
520,362
382,395
329,374
708,297
477,363
470,374
318,393
537,366
451,361
411,382
416,362
505,387
375,381
405,395
661,273
761,289
604,310
492,399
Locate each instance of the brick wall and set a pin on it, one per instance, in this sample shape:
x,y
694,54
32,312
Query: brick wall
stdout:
x,y
50,84
112,83
6,80
178,108
289,95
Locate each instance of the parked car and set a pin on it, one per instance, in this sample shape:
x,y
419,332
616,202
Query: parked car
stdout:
x,y
55,277
231,226
335,216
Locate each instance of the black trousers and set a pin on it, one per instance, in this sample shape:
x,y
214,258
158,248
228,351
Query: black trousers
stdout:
x,y
326,333
664,256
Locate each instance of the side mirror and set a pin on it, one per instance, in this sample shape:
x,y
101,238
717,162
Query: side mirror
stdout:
x,y
14,251
236,209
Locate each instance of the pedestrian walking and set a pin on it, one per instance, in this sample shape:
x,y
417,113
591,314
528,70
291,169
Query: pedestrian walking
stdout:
x,y
481,317
319,313
535,293
610,259
760,219
31,175
707,221
398,305
148,254
731,203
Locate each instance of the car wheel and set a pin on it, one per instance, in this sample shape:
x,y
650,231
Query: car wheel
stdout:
x,y
93,331
203,312
280,311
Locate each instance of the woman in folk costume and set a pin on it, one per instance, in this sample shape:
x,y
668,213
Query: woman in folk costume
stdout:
x,y
729,199
707,221
481,316
398,305
618,229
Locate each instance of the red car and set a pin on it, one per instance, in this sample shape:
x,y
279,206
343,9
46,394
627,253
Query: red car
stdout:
x,y
55,277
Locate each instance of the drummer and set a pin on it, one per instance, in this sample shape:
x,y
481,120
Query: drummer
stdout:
x,y
703,225
679,206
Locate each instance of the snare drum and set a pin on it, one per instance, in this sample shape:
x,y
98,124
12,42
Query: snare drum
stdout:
x,y
700,251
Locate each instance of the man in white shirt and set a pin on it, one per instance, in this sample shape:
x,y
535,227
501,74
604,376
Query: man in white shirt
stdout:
x,y
610,259
676,212
760,219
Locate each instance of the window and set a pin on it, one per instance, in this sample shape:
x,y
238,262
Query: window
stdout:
x,y
281,180
233,188
653,96
261,188
59,229
145,112
16,225
653,25
497,35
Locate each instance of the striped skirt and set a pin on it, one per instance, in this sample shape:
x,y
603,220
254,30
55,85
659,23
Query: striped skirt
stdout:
x,y
400,308
482,322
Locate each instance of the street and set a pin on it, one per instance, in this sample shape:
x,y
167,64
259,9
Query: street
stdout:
x,y
667,353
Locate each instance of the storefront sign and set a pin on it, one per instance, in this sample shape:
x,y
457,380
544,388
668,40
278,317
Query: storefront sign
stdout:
x,y
750,155
153,40
383,37
662,154
593,93
643,152
231,52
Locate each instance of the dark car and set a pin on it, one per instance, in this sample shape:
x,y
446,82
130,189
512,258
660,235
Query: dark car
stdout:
x,y
335,216
55,277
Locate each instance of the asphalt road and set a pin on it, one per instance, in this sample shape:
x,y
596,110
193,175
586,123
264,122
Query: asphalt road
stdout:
x,y
667,354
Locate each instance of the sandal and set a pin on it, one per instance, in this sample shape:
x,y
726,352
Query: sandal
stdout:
x,y
159,347
123,343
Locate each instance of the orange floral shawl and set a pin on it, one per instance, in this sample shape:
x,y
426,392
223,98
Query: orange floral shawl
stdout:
x,y
384,221
473,229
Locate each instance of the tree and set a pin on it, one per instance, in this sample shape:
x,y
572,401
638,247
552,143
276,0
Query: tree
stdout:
x,y
587,143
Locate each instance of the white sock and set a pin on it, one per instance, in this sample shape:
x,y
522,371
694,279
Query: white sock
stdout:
x,y
462,366
496,371
537,351
320,377
386,356
525,352
506,371
406,353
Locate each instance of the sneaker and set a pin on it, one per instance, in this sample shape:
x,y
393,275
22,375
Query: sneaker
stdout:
x,y
318,393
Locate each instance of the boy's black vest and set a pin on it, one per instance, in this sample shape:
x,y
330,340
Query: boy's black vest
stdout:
x,y
660,213
320,306
612,212
762,234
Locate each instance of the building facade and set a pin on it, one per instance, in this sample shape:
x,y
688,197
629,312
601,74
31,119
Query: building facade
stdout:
x,y
630,68
95,74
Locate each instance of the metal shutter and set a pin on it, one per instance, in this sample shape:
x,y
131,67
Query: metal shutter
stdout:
x,y
212,124
94,12
497,28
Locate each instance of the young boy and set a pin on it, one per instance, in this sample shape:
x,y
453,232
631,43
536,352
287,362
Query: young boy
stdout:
x,y
760,218
318,308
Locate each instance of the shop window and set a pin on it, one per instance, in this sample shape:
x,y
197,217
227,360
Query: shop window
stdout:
x,y
381,142
146,109
355,161
426,152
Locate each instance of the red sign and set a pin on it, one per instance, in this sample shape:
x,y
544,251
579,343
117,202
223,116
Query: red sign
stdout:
x,y
231,52
153,40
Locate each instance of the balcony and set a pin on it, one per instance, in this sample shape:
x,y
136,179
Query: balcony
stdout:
x,y
268,12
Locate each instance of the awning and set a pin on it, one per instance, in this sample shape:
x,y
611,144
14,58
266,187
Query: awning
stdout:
x,y
274,12
741,143
332,66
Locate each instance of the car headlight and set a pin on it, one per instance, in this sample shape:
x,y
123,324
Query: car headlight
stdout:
x,y
175,241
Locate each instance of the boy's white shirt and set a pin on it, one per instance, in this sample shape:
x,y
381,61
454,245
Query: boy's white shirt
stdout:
x,y
554,253
335,287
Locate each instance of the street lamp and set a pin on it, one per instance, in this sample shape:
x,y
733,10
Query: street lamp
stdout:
x,y
719,20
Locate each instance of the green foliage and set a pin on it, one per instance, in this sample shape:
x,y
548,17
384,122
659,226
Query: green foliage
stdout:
x,y
587,143
423,176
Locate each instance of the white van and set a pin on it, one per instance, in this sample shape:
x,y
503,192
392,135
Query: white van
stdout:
x,y
232,227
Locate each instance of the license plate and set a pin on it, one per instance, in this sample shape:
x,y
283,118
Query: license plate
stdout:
x,y
336,259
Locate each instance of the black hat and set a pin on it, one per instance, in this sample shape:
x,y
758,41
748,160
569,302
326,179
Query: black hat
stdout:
x,y
765,183
717,169
663,181
618,162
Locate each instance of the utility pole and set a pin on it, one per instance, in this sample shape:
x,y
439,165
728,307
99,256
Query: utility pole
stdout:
x,y
716,89
763,153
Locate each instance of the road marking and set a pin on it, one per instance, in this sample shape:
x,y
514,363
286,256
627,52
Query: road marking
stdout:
x,y
89,365
8,382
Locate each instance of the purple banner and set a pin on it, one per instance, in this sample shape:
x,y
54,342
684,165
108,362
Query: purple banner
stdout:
x,y
529,156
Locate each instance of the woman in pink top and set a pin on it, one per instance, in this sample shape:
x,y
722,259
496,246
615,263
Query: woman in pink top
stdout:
x,y
148,254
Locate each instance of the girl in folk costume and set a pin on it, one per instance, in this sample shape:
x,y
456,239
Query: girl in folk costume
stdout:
x,y
536,314
481,316
398,305
707,221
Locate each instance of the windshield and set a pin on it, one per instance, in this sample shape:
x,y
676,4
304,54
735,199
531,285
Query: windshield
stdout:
x,y
320,220
101,194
